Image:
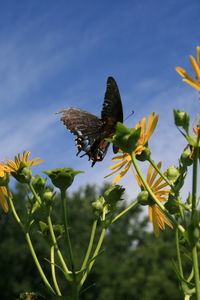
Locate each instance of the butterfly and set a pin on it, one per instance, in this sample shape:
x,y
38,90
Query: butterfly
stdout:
x,y
90,130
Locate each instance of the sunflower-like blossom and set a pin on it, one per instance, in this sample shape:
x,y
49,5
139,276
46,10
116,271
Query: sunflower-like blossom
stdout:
x,y
157,185
195,83
147,129
14,165
4,170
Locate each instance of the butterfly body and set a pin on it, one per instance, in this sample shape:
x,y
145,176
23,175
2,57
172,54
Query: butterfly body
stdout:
x,y
90,130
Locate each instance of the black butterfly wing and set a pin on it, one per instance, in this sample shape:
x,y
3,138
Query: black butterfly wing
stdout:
x,y
92,131
84,125
112,111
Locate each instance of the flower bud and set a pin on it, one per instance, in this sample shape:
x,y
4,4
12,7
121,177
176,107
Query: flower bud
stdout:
x,y
143,198
98,204
126,139
172,205
172,174
113,194
48,196
182,119
23,174
39,184
145,155
186,158
62,177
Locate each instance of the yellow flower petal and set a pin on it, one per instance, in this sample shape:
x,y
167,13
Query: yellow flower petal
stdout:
x,y
119,157
193,84
181,71
122,163
195,66
151,127
119,176
114,171
154,174
3,201
198,55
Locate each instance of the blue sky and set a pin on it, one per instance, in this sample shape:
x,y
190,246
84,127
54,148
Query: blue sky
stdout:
x,y
58,54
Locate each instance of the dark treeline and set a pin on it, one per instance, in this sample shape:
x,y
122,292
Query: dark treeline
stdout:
x,y
133,264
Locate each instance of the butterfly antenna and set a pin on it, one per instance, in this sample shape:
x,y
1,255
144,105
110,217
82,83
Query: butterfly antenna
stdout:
x,y
129,115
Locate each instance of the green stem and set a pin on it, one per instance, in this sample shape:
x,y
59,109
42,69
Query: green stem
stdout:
x,y
69,246
153,196
62,261
194,207
89,249
196,271
28,239
178,253
194,180
34,193
98,247
53,272
125,211
75,284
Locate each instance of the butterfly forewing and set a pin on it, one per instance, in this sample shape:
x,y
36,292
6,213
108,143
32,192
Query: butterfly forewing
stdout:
x,y
112,110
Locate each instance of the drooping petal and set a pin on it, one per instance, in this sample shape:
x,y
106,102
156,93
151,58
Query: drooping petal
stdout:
x,y
154,174
122,173
3,201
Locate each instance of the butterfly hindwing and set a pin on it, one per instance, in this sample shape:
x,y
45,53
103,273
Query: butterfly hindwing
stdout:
x,y
84,125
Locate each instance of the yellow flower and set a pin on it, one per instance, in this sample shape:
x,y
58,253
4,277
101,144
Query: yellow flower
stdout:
x,y
14,165
156,216
3,196
195,83
3,169
147,129
3,190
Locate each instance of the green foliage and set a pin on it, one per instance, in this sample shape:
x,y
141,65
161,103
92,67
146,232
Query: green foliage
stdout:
x,y
133,264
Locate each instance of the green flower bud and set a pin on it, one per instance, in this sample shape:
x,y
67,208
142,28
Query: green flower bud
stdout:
x,y
143,198
145,155
98,205
186,158
48,196
62,177
182,119
172,205
126,139
5,179
23,174
172,174
113,194
39,184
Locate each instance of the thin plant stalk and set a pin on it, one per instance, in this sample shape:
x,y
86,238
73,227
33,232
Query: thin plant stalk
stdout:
x,y
98,247
29,242
62,261
125,211
89,249
194,204
53,272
